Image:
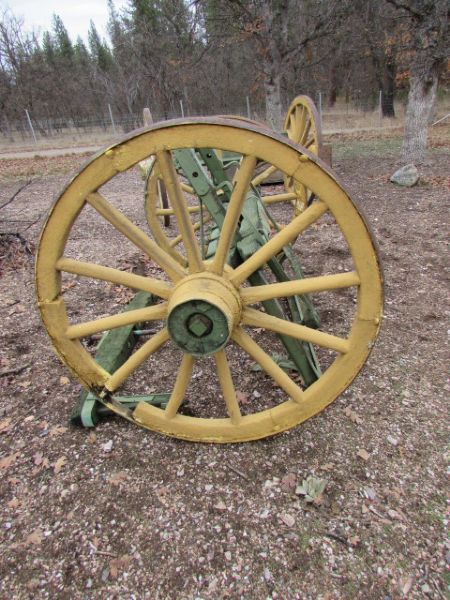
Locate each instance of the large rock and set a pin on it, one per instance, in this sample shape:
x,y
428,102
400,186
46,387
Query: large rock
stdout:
x,y
407,176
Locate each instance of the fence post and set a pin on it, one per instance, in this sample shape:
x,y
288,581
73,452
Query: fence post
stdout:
x,y
112,119
182,108
249,112
320,108
380,108
31,126
8,129
147,115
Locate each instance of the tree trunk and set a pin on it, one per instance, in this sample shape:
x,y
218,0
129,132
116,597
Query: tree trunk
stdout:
x,y
422,93
388,89
272,88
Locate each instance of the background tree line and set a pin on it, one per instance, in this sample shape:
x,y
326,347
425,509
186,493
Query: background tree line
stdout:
x,y
211,54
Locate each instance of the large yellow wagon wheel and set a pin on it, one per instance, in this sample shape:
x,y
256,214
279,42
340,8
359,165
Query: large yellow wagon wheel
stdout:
x,y
206,307
302,125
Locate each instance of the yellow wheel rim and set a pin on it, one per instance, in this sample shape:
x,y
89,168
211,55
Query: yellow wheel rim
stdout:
x,y
302,125
253,144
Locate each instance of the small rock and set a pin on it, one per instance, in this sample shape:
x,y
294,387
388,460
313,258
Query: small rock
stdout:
x,y
407,176
426,588
287,519
392,440
220,506
256,394
370,493
228,555
89,583
267,574
108,446
363,454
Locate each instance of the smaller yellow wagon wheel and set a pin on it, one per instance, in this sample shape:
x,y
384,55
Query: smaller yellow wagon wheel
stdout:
x,y
302,125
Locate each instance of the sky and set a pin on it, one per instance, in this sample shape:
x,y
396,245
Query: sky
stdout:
x,y
76,14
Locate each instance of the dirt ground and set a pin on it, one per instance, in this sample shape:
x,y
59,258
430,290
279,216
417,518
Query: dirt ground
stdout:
x,y
121,512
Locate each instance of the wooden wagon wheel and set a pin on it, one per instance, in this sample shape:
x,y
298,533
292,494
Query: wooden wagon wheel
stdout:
x,y
302,125
227,315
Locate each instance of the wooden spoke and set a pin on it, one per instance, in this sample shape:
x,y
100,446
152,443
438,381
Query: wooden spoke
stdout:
x,y
305,133
169,211
140,315
242,181
308,285
135,282
263,176
135,235
179,205
227,385
256,318
274,245
187,188
176,240
286,197
181,383
137,359
268,364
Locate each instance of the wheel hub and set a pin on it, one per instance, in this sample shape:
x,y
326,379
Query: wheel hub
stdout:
x,y
202,313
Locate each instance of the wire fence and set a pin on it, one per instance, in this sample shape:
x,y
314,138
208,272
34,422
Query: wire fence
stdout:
x,y
342,115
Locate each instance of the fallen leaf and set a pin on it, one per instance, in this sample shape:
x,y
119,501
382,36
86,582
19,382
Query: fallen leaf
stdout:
x,y
118,478
353,416
34,538
38,458
59,464
4,425
6,462
288,482
354,540
116,564
395,514
406,584
57,430
363,454
327,467
113,568
92,437
242,398
14,503
64,380
287,519
220,506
